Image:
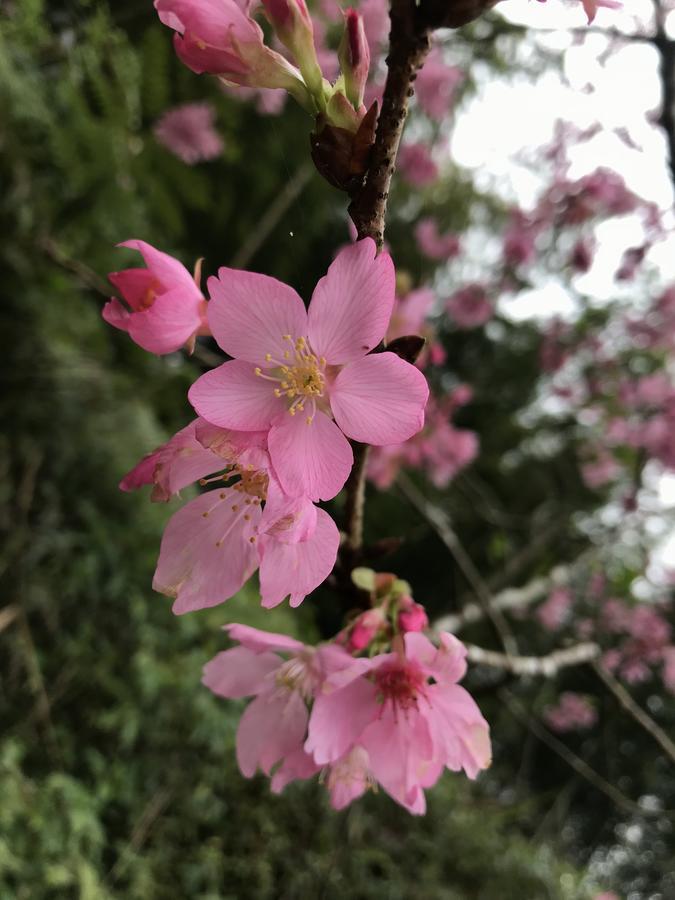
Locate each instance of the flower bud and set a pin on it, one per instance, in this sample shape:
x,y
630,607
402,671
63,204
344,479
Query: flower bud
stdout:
x,y
365,628
293,25
354,56
412,616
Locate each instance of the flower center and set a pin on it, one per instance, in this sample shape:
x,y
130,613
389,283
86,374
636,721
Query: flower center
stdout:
x,y
300,376
298,674
401,684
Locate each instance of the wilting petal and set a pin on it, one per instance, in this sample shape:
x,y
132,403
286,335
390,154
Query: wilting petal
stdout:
x,y
312,460
272,726
348,778
239,672
232,396
168,324
338,719
206,553
297,569
249,315
379,399
260,641
352,304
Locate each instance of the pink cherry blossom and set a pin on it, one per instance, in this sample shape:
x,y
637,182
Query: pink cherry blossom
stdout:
x,y
219,37
470,307
274,726
433,244
436,86
416,165
195,451
306,375
555,609
519,240
166,307
600,472
188,132
213,545
410,728
572,713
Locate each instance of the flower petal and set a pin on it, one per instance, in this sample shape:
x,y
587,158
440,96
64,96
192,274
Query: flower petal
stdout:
x,y
297,568
287,519
260,641
312,460
352,304
206,554
239,672
232,396
249,315
116,315
339,719
379,399
271,727
168,271
168,324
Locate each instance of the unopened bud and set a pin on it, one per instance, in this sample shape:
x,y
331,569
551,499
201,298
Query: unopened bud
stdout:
x,y
354,56
365,628
412,616
293,25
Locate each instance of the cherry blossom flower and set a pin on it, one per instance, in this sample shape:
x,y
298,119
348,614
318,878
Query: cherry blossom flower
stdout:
x,y
416,164
306,375
166,307
432,243
214,543
219,37
470,307
274,725
410,728
572,713
555,609
188,132
436,86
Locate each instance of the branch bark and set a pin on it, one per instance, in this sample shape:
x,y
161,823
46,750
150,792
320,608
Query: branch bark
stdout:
x,y
544,666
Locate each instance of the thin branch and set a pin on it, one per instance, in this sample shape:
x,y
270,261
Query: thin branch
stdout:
x,y
545,666
439,521
575,762
633,709
356,495
511,598
7,616
273,215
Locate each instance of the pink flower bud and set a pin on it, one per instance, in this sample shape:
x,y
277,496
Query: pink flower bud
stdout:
x,y
365,629
293,25
412,616
354,56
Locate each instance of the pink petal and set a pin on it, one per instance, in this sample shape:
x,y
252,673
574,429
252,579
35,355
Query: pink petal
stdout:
x,y
287,519
206,555
169,272
239,672
168,324
312,460
116,315
297,766
379,399
136,286
299,568
260,641
460,733
352,304
338,719
232,396
272,727
249,314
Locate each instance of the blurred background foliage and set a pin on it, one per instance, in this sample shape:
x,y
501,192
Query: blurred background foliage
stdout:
x,y
117,771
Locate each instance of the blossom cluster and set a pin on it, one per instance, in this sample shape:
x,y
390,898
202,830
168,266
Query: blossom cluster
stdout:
x,y
394,716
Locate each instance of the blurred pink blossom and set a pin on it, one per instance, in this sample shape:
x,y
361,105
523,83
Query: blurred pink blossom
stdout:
x,y
188,132
573,712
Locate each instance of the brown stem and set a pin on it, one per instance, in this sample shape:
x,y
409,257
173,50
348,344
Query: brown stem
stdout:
x,y
356,494
409,45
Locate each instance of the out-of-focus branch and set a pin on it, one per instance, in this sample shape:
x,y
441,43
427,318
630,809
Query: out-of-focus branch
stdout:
x,y
634,710
511,598
356,495
575,762
544,666
273,215
440,522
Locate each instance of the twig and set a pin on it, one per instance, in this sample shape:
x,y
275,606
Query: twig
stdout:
x,y
632,708
575,762
274,213
440,523
511,598
153,809
408,48
7,616
356,493
37,685
546,666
